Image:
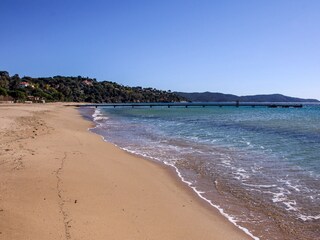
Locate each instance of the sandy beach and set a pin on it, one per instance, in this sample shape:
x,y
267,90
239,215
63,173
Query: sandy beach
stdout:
x,y
60,181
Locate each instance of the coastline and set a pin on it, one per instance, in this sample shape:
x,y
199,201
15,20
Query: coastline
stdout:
x,y
60,181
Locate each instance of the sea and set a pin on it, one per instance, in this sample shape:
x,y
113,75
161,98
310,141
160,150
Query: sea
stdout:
x,y
260,167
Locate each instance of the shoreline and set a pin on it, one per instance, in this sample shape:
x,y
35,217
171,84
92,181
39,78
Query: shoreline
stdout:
x,y
173,172
70,184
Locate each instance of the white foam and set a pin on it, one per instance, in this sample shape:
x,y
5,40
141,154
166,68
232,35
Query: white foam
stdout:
x,y
199,193
98,118
259,185
256,168
226,162
308,218
295,187
240,174
291,205
282,197
96,112
278,197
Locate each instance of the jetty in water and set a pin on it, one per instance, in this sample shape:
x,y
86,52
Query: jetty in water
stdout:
x,y
190,104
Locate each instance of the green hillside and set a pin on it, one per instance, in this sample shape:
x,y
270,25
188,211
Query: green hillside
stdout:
x,y
77,89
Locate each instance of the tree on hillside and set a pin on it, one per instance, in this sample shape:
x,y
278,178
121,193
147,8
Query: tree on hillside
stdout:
x,y
3,92
79,89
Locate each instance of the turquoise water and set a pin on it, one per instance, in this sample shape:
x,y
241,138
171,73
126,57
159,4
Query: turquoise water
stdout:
x,y
259,166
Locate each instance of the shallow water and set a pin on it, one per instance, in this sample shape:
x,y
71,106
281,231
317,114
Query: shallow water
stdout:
x,y
259,166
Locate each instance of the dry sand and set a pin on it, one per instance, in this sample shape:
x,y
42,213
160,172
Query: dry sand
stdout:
x,y
60,181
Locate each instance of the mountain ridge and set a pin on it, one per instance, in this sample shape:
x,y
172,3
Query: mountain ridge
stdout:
x,y
221,97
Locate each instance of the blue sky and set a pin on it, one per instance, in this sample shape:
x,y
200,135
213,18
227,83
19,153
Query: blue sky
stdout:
x,y
240,47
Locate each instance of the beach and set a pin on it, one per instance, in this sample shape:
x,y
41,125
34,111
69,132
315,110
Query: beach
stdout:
x,y
60,181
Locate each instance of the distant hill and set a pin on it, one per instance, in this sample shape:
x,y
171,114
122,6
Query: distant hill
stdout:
x,y
220,97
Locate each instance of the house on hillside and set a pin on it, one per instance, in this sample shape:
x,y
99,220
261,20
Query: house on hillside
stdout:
x,y
25,84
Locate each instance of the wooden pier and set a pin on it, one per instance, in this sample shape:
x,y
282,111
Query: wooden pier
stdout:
x,y
188,104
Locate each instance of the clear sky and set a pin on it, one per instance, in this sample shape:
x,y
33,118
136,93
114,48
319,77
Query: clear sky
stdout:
x,y
241,47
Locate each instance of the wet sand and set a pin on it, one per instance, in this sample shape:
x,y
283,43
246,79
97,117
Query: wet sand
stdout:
x,y
60,181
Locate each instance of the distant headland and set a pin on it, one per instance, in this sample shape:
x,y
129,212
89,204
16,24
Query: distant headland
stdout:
x,y
221,97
